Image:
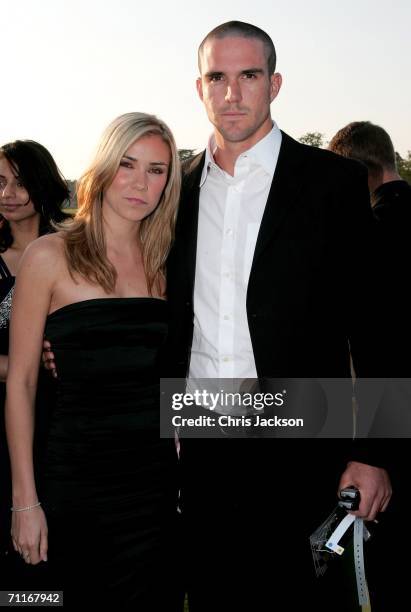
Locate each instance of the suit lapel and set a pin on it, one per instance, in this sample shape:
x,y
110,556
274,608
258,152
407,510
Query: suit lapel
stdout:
x,y
285,187
287,183
189,212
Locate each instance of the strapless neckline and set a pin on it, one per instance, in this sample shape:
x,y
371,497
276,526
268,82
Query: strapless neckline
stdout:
x,y
82,303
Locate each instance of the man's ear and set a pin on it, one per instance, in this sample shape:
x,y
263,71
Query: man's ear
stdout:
x,y
275,85
199,85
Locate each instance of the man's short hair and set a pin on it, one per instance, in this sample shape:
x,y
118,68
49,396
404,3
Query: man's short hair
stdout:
x,y
366,142
243,30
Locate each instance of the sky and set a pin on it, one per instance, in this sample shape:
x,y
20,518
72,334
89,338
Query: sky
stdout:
x,y
71,66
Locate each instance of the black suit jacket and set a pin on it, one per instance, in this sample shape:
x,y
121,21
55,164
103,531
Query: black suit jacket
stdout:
x,y
306,298
392,208
309,291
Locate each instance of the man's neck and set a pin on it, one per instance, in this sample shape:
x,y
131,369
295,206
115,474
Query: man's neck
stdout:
x,y
227,152
388,176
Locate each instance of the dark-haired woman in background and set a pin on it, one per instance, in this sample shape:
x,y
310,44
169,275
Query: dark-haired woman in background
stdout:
x,y
32,191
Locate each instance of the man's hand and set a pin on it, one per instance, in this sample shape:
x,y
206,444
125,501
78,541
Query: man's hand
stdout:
x,y
48,358
374,486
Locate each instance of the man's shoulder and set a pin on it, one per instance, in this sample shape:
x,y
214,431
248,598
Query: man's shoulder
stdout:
x,y
393,199
323,160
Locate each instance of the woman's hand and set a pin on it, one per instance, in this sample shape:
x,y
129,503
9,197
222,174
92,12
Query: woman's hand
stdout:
x,y
29,535
4,365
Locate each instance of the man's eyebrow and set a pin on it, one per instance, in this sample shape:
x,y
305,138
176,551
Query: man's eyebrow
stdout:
x,y
214,73
253,71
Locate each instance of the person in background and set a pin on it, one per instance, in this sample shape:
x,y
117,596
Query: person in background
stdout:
x,y
32,192
391,202
372,145
105,517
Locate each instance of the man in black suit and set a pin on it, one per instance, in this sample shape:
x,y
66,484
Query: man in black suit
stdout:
x,y
271,245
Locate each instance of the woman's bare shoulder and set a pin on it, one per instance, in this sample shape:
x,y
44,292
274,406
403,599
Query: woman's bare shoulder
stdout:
x,y
47,251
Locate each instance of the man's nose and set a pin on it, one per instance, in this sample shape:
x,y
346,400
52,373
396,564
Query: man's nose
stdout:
x,y
233,93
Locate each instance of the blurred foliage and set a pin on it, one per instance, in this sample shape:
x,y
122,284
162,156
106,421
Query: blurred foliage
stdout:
x,y
185,153
314,139
72,202
404,166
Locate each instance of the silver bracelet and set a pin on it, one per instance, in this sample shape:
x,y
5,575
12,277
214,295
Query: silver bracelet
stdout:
x,y
13,509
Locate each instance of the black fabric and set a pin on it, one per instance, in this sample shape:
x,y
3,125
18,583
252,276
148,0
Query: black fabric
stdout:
x,y
309,289
6,285
392,209
309,301
392,262
7,281
4,270
109,488
247,532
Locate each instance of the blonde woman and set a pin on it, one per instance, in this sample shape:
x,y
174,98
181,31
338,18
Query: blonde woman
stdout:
x,y
96,288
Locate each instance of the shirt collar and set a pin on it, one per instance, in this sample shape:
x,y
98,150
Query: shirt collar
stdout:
x,y
264,153
389,190
209,159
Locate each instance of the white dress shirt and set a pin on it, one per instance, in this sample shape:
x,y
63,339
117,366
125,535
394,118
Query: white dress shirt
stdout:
x,y
230,213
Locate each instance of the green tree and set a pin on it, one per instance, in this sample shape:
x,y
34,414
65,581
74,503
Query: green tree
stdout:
x,y
185,153
404,166
72,202
314,139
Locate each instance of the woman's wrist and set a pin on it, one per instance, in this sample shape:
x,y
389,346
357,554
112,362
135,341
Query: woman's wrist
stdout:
x,y
24,508
24,496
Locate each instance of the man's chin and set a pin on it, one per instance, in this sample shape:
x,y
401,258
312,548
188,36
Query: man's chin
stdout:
x,y
236,134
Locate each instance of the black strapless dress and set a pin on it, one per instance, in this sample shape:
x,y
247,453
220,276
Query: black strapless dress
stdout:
x,y
110,486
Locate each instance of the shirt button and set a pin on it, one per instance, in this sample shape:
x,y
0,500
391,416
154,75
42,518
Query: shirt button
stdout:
x,y
225,359
226,317
229,231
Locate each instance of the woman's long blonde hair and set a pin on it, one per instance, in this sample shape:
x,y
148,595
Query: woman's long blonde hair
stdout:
x,y
85,245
